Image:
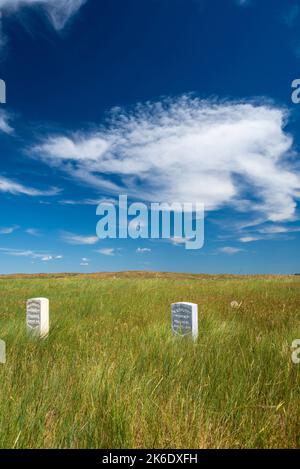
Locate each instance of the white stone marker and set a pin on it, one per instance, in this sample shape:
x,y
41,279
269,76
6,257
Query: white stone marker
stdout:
x,y
185,319
37,316
2,352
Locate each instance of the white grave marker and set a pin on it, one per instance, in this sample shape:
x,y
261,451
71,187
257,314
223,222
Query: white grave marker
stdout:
x,y
38,316
185,319
2,352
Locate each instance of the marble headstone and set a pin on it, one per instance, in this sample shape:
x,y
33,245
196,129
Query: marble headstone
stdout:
x,y
185,319
2,352
37,316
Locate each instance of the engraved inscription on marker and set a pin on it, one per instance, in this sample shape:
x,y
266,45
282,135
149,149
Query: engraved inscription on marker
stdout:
x,y
185,319
38,316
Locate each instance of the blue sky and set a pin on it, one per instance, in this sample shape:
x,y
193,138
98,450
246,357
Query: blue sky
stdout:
x,y
163,100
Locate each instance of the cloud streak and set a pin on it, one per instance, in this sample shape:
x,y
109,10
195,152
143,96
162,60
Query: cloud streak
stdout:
x,y
219,153
5,119
8,230
58,12
16,188
142,250
72,238
33,232
248,239
229,250
32,254
107,251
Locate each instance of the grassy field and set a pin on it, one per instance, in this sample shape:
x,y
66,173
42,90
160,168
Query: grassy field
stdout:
x,y
110,375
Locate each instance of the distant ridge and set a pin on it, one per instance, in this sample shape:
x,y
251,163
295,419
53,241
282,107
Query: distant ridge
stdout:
x,y
136,274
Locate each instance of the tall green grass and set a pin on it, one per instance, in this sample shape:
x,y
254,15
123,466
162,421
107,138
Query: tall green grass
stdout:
x,y
110,374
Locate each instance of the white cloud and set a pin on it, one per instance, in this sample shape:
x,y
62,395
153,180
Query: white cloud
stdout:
x,y
188,150
51,258
33,232
107,251
229,250
248,239
19,252
72,238
32,254
8,230
67,149
86,201
143,250
275,229
267,231
85,261
4,117
58,12
278,229
12,187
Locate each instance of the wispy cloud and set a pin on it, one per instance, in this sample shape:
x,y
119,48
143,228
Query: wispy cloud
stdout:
x,y
274,229
278,229
5,125
32,254
186,149
58,12
8,230
85,262
107,251
248,239
260,231
143,250
229,250
33,232
51,258
72,238
16,188
86,201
